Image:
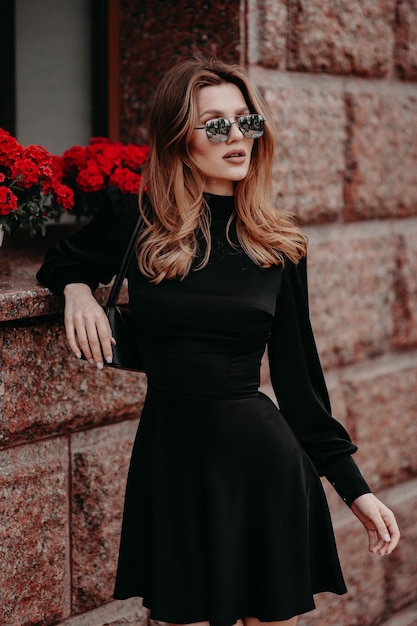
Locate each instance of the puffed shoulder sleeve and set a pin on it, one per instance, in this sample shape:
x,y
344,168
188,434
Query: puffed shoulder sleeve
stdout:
x,y
300,388
93,254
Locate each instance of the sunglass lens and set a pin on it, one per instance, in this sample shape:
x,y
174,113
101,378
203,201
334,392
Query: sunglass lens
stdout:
x,y
218,130
252,126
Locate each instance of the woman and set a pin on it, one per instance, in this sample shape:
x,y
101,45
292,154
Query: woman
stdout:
x,y
225,517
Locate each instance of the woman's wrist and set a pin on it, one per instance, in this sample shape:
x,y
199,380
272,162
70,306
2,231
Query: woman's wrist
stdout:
x,y
77,288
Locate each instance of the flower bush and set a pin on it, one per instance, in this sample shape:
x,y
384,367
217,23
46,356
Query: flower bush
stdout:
x,y
31,187
90,170
36,186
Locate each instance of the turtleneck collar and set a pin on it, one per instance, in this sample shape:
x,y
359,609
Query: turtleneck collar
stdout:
x,y
221,207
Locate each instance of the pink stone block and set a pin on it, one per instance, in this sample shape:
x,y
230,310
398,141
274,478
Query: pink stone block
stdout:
x,y
34,534
155,35
354,37
268,27
20,295
100,460
406,39
382,406
405,305
382,155
308,174
337,398
351,279
45,390
401,566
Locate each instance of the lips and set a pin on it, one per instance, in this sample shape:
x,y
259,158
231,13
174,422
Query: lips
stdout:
x,y
235,154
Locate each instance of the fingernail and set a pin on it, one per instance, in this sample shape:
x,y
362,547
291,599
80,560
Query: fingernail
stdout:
x,y
109,359
91,361
387,538
100,365
78,355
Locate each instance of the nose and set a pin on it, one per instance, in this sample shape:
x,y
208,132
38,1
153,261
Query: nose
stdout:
x,y
235,133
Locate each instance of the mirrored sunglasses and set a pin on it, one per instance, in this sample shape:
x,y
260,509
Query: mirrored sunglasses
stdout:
x,y
218,130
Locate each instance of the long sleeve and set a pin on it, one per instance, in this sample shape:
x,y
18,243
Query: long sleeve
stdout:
x,y
299,385
93,254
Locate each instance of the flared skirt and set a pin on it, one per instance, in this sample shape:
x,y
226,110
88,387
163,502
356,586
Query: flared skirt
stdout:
x,y
225,515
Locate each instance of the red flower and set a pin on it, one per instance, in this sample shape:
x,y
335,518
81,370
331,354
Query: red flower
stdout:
x,y
39,155
105,156
126,180
94,140
31,188
25,172
8,201
134,156
103,163
74,159
10,148
90,179
64,195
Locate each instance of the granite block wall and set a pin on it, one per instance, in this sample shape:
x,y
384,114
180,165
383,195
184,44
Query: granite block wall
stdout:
x,y
66,432
154,35
340,81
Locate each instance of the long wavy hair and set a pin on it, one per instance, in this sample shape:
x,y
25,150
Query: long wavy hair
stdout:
x,y
179,218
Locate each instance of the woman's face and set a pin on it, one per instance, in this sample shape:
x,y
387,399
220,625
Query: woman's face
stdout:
x,y
221,164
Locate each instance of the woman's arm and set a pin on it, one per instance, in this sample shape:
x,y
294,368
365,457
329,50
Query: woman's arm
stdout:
x,y
301,391
299,384
93,254
75,266
379,522
87,327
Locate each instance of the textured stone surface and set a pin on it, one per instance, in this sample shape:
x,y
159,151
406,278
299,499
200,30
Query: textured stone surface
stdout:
x,y
351,296
57,393
406,39
20,295
406,617
34,544
364,603
119,612
401,569
268,26
382,155
382,406
20,258
154,35
354,37
405,306
100,459
309,165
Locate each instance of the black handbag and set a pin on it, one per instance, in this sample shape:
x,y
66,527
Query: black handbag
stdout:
x,y
126,354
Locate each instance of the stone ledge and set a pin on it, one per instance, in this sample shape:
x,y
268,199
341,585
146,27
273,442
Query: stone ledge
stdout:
x,y
21,296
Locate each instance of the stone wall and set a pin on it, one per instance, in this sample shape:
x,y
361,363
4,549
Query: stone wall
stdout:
x,y
66,432
340,81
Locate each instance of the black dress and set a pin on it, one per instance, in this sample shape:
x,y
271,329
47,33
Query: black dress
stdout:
x,y
225,515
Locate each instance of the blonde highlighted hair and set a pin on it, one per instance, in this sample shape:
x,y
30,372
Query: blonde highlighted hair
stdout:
x,y
169,243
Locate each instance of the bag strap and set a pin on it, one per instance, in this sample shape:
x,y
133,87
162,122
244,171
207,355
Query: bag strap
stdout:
x,y
118,281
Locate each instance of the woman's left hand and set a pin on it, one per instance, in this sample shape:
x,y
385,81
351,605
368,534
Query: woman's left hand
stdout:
x,y
379,522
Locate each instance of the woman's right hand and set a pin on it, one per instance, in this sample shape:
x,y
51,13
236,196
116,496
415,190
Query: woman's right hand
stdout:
x,y
87,327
